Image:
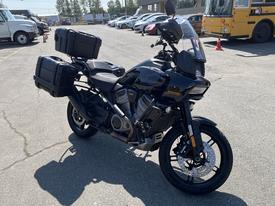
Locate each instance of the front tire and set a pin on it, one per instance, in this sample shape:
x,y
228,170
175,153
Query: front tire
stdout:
x,y
187,182
78,124
22,38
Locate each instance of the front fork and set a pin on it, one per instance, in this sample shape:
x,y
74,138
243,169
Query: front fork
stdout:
x,y
192,129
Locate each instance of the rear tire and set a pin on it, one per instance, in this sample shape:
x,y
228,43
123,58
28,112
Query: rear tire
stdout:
x,y
262,33
203,187
78,123
22,38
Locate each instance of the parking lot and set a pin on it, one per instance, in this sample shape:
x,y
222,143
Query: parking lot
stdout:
x,y
36,167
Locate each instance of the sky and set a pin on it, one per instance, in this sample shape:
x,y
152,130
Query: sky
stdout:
x,y
37,6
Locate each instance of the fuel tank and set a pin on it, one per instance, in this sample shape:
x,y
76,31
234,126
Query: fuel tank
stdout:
x,y
147,76
160,64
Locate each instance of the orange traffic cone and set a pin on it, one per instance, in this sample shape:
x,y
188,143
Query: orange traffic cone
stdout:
x,y
219,45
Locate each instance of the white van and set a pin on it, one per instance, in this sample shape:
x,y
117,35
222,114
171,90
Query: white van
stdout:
x,y
18,30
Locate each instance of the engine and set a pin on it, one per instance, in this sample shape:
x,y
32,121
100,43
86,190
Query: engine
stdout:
x,y
133,108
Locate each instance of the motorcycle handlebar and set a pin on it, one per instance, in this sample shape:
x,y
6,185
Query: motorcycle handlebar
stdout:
x,y
159,43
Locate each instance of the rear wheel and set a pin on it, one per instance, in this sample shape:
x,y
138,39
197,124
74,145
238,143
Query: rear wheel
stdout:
x,y
182,171
22,38
78,124
262,33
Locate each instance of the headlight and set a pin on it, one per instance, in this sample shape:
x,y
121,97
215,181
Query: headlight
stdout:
x,y
198,90
30,27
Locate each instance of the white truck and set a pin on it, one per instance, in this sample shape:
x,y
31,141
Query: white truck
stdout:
x,y
17,30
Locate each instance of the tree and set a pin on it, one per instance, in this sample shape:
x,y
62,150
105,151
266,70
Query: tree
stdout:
x,y
83,4
130,4
131,7
97,4
67,8
118,4
118,8
76,9
60,6
111,7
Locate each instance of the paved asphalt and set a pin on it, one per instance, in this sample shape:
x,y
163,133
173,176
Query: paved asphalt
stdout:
x,y
37,169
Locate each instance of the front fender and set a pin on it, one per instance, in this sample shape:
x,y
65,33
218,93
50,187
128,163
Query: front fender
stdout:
x,y
204,121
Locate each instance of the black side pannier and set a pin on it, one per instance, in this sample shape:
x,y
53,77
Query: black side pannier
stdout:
x,y
77,44
55,76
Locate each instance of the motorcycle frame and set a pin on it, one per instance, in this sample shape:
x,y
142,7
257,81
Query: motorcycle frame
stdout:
x,y
190,127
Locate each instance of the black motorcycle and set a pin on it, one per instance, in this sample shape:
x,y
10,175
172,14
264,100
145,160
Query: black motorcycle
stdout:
x,y
148,107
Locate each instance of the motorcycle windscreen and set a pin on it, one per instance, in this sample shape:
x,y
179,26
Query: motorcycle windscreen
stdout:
x,y
188,66
190,41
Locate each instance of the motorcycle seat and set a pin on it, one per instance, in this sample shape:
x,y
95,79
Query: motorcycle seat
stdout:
x,y
105,82
98,66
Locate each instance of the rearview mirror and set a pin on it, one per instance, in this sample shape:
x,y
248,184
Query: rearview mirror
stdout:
x,y
170,8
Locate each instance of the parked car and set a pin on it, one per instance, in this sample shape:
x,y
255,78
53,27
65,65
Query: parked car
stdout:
x,y
11,29
151,29
195,20
148,17
20,17
123,23
42,26
131,24
140,26
23,12
66,22
113,22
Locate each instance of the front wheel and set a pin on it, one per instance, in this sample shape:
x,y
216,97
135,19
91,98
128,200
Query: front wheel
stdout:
x,y
78,124
178,166
22,38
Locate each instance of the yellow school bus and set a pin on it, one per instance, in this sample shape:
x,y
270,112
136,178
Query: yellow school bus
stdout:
x,y
240,19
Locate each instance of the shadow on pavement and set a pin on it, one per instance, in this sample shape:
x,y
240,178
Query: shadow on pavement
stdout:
x,y
247,46
10,45
107,160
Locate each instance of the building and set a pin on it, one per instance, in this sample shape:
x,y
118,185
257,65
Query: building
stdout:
x,y
183,6
151,5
